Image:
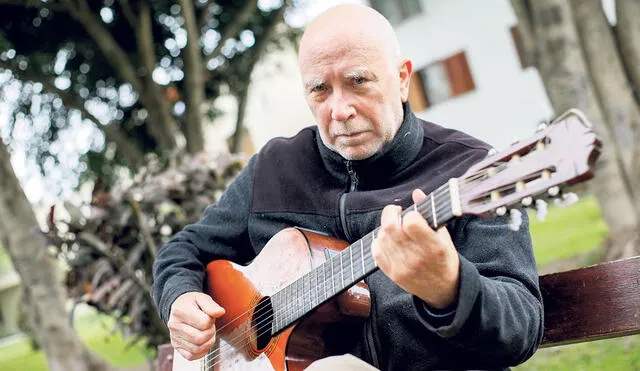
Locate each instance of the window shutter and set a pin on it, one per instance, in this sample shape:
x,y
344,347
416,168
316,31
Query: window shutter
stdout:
x,y
417,96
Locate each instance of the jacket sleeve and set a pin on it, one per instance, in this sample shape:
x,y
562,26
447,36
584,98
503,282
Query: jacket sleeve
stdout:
x,y
499,313
221,233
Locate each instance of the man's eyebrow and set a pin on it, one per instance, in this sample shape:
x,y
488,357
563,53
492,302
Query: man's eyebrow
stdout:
x,y
313,82
359,72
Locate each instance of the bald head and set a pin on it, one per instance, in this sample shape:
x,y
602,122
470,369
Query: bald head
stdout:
x,y
350,24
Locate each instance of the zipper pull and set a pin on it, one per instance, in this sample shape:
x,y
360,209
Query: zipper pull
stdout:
x,y
353,177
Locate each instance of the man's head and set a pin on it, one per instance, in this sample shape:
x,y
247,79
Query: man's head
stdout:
x,y
354,78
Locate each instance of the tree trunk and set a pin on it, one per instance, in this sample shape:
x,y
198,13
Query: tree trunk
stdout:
x,y
560,58
628,30
42,291
194,77
610,81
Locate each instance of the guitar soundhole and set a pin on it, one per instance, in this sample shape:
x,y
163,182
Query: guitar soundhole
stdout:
x,y
261,322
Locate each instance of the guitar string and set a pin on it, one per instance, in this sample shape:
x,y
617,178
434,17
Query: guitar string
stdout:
x,y
299,302
425,203
264,320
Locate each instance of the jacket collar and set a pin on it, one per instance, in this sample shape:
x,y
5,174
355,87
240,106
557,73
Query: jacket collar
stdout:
x,y
393,158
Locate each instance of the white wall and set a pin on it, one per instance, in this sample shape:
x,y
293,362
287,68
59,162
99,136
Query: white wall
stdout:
x,y
508,101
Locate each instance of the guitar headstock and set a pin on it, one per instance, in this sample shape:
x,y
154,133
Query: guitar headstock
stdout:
x,y
530,171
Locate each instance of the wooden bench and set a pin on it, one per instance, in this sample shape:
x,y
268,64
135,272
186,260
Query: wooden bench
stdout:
x,y
592,303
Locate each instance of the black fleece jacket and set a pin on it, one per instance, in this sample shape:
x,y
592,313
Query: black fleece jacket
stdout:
x,y
298,181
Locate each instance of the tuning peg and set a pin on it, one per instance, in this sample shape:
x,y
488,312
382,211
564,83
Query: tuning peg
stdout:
x,y
501,211
492,152
553,191
566,199
541,210
515,219
541,126
527,201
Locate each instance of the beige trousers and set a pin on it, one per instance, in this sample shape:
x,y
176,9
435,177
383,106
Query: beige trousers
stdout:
x,y
345,362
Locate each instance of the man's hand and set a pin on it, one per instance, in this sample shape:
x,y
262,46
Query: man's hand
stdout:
x,y
192,324
422,261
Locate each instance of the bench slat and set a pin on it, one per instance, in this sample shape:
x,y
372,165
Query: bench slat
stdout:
x,y
597,302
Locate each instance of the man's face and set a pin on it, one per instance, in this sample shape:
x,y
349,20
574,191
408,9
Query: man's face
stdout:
x,y
355,92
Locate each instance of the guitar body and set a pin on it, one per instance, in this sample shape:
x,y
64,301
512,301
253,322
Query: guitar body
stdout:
x,y
239,289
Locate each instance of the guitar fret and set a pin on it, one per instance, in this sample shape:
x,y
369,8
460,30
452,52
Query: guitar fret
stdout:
x,y
314,297
332,283
341,269
351,262
362,255
433,212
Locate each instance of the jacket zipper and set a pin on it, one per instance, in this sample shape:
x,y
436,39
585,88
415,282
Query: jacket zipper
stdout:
x,y
353,184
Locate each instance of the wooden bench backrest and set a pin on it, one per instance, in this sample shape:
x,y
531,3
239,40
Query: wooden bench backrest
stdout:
x,y
597,302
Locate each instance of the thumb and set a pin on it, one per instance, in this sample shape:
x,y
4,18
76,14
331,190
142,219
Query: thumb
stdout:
x,y
210,307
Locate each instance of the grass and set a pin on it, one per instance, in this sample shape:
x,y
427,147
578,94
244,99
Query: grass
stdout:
x,y
567,232
612,354
95,331
5,261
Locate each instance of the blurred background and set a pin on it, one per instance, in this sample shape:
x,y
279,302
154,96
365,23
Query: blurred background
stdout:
x,y
120,121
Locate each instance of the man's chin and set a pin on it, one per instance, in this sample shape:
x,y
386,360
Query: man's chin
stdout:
x,y
355,154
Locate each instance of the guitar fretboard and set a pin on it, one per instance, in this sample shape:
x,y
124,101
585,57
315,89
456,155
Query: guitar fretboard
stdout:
x,y
346,268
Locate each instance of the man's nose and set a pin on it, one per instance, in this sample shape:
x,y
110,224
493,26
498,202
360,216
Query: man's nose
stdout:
x,y
341,107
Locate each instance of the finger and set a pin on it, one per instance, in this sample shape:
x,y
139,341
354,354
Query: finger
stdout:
x,y
195,317
208,306
417,228
391,215
192,335
418,195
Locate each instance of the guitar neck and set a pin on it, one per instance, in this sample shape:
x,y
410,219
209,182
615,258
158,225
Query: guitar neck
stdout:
x,y
351,265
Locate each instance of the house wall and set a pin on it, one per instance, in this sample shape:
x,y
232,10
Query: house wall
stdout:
x,y
508,101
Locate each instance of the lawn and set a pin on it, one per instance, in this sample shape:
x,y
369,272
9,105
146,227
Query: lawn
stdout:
x,y
570,234
566,234
95,330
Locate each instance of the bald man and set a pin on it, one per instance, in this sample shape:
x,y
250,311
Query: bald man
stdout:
x,y
462,296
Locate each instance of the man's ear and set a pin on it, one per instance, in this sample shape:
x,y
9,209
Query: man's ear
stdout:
x,y
406,68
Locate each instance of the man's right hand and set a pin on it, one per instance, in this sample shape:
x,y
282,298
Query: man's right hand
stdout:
x,y
192,324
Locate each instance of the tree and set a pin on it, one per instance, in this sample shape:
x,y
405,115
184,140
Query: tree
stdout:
x,y
587,63
141,72
42,291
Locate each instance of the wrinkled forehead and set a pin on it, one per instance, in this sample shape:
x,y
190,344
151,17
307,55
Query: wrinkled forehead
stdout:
x,y
335,50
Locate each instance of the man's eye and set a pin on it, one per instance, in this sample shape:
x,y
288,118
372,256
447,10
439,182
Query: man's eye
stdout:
x,y
359,80
318,88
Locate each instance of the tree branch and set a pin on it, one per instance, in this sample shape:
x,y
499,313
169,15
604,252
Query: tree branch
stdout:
x,y
105,42
164,127
144,229
234,27
194,71
256,53
36,4
129,15
129,151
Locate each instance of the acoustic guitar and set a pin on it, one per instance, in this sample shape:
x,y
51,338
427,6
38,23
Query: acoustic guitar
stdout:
x,y
285,309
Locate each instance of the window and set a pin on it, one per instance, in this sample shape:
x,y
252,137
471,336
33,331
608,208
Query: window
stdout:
x,y
440,81
397,11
